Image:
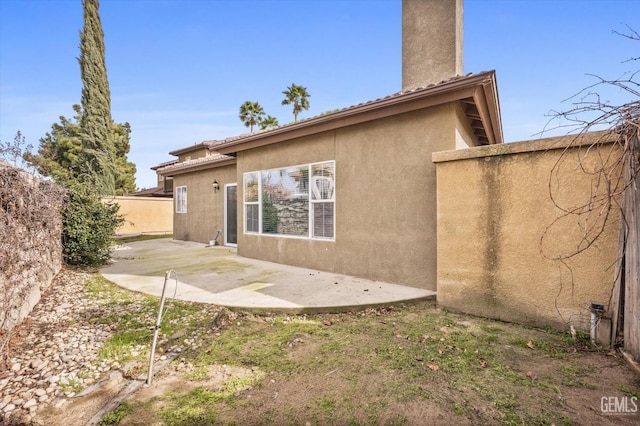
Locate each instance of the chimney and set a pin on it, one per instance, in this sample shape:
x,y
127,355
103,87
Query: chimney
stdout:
x,y
431,42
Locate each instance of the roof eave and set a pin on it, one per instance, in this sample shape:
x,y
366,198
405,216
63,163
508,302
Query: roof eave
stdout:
x,y
450,91
183,168
488,103
191,148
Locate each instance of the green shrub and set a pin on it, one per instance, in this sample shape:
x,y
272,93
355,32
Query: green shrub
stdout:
x,y
88,225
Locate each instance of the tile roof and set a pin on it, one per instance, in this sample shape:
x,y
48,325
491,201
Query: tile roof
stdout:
x,y
488,132
188,164
153,192
212,144
225,145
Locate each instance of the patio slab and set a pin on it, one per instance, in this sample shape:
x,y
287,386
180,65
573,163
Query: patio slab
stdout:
x,y
217,275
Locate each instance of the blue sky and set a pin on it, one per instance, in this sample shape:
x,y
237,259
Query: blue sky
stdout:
x,y
180,69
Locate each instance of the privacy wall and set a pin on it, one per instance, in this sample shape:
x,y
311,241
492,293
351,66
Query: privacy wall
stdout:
x,y
30,242
144,215
526,231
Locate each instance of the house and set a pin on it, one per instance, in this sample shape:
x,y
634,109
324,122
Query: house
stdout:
x,y
417,188
354,191
164,186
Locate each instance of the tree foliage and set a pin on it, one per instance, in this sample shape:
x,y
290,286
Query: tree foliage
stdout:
x,y
58,151
88,155
268,122
98,156
251,114
298,97
88,225
58,154
12,152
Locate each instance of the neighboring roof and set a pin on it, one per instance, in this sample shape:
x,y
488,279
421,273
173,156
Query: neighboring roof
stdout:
x,y
153,192
215,160
191,148
166,163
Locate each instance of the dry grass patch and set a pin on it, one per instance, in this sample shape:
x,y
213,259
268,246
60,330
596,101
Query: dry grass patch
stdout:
x,y
402,366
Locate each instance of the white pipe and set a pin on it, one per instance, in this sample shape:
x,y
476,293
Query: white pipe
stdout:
x,y
597,309
157,326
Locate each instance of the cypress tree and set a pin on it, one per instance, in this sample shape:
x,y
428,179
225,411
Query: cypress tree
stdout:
x,y
97,160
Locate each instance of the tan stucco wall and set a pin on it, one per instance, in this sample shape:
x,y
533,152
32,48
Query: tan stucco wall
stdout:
x,y
144,215
385,197
494,208
205,207
432,42
198,152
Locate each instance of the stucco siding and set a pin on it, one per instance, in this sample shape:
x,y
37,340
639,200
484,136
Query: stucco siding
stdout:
x,y
144,215
205,207
385,197
499,234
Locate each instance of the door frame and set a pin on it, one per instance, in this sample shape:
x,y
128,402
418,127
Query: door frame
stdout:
x,y
226,221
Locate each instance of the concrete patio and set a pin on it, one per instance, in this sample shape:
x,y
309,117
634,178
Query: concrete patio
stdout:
x,y
217,275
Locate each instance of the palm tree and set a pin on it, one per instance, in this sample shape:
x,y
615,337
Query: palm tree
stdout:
x,y
268,121
298,96
251,114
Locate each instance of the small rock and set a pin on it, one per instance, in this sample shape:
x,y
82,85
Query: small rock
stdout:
x,y
8,408
63,307
36,363
16,367
30,403
40,392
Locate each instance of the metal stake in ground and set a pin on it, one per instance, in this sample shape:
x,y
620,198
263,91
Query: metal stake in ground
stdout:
x,y
158,321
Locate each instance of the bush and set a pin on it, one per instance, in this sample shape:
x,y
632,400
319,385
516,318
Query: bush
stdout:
x,y
89,225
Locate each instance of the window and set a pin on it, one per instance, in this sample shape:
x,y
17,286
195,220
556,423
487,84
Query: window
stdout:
x,y
181,199
293,201
322,199
251,203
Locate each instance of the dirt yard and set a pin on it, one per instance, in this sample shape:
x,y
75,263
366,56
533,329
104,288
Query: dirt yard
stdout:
x,y
413,365
406,365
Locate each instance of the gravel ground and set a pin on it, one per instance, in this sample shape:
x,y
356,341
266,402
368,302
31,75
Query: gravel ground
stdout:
x,y
54,350
53,356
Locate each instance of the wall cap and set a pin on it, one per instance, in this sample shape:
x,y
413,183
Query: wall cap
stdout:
x,y
521,147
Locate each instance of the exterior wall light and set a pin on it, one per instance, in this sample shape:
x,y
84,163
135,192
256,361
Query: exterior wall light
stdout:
x,y
216,186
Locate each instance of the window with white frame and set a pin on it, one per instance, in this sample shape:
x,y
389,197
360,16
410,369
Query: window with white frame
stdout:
x,y
251,202
181,199
294,201
323,199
